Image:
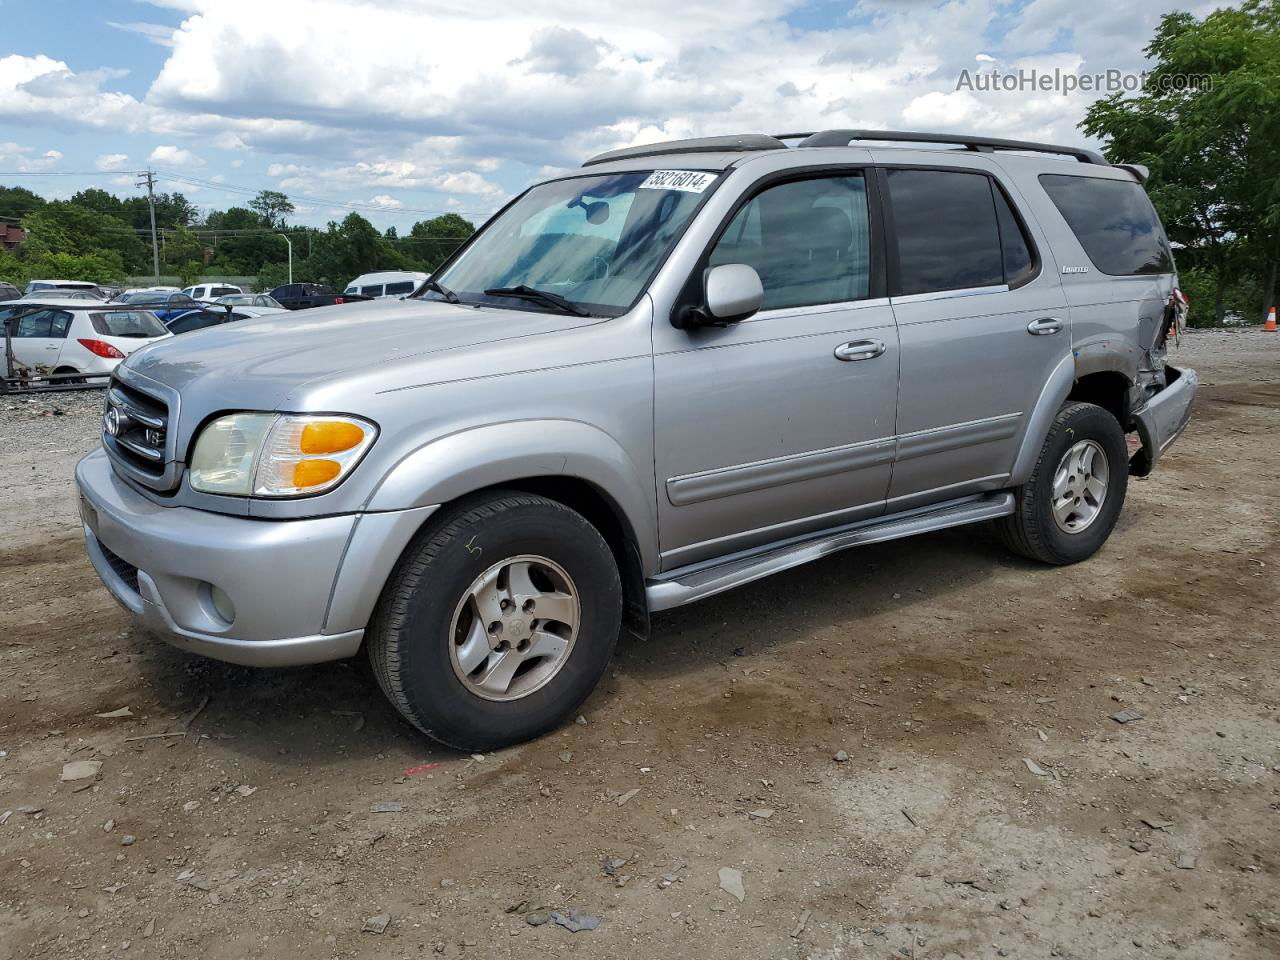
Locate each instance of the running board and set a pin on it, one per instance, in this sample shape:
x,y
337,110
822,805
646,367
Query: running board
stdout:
x,y
702,580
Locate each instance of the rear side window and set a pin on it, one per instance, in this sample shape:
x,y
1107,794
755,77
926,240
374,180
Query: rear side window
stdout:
x,y
400,288
810,241
127,323
196,320
1114,222
948,236
223,291
374,290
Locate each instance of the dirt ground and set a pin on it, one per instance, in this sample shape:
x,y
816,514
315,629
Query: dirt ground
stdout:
x,y
988,807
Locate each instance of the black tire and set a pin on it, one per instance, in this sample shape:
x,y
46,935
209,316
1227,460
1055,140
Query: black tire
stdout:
x,y
409,642
1031,529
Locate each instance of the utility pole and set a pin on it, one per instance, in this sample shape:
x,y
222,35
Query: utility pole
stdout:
x,y
148,179
290,243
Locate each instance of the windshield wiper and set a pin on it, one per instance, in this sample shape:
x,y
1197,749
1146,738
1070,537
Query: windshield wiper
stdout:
x,y
431,283
525,292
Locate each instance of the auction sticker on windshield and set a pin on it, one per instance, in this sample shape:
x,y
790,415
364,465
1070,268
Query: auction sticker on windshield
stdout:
x,y
689,181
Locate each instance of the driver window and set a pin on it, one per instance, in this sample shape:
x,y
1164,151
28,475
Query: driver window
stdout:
x,y
810,241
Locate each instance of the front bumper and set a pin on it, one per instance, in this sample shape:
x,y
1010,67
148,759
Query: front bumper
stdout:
x,y
299,591
1164,417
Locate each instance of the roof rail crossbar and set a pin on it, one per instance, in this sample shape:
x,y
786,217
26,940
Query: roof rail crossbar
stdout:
x,y
842,138
732,144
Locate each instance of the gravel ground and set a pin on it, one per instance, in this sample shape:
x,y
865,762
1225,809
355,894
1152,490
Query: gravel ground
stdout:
x,y
985,803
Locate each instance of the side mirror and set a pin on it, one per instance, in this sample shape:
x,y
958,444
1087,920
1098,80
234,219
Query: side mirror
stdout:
x,y
731,292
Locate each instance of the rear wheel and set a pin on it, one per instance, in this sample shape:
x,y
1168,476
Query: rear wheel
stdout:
x,y
68,375
1068,507
498,621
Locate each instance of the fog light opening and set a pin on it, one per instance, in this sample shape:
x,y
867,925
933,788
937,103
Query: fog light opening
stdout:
x,y
221,603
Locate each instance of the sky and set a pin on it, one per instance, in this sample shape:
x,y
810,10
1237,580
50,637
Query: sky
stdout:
x,y
405,109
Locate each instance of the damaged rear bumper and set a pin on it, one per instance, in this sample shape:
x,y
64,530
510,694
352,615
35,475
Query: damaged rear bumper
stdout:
x,y
1163,418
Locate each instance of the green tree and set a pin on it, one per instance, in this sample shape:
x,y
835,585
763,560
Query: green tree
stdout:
x,y
172,210
272,275
17,202
189,273
99,267
1213,144
431,241
243,239
69,228
273,206
105,203
344,251
181,246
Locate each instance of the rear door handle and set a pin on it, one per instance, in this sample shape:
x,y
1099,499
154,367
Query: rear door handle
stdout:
x,y
1044,326
860,350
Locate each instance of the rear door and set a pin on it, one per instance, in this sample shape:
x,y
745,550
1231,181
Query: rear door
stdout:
x,y
38,338
982,326
782,423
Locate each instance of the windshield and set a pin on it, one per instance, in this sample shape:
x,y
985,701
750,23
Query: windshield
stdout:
x,y
128,323
595,241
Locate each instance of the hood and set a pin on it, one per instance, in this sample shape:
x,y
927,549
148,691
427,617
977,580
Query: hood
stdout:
x,y
256,364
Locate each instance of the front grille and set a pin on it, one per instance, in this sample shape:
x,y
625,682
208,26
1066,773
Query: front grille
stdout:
x,y
135,433
125,570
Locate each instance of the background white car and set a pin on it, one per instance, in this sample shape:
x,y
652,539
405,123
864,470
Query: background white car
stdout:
x,y
56,288
250,300
211,291
74,336
388,283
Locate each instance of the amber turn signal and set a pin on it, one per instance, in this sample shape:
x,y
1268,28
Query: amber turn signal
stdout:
x,y
313,473
329,436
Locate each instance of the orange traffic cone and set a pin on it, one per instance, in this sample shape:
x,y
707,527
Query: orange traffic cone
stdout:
x,y
1270,325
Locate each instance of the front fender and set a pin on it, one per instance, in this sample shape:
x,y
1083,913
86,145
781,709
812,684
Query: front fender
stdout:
x,y
460,463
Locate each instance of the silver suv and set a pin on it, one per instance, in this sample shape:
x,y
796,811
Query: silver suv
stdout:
x,y
670,373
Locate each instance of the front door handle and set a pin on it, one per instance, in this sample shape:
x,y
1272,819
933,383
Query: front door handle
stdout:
x,y
1044,326
860,350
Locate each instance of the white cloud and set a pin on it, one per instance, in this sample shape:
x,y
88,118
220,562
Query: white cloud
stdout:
x,y
25,159
111,161
468,99
156,33
46,91
386,201
168,155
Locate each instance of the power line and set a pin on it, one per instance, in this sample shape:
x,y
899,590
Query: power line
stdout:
x,y
181,178
308,198
69,173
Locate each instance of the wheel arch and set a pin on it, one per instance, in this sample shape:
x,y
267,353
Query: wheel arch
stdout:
x,y
1109,388
572,462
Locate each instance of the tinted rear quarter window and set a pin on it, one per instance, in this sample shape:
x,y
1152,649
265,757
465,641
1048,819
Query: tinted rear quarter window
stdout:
x,y
400,288
1114,222
948,237
374,290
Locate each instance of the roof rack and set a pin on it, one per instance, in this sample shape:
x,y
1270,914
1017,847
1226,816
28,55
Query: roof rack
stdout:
x,y
838,138
842,138
732,144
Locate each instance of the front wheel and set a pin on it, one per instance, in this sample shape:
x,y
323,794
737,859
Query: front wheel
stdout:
x,y
498,621
1069,505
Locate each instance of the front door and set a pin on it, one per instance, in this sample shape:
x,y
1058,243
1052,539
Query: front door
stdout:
x,y
782,423
983,324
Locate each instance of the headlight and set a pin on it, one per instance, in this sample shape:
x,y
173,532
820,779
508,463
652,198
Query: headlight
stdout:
x,y
277,455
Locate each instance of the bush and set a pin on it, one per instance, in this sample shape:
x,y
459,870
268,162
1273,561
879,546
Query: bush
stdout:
x,y
104,266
